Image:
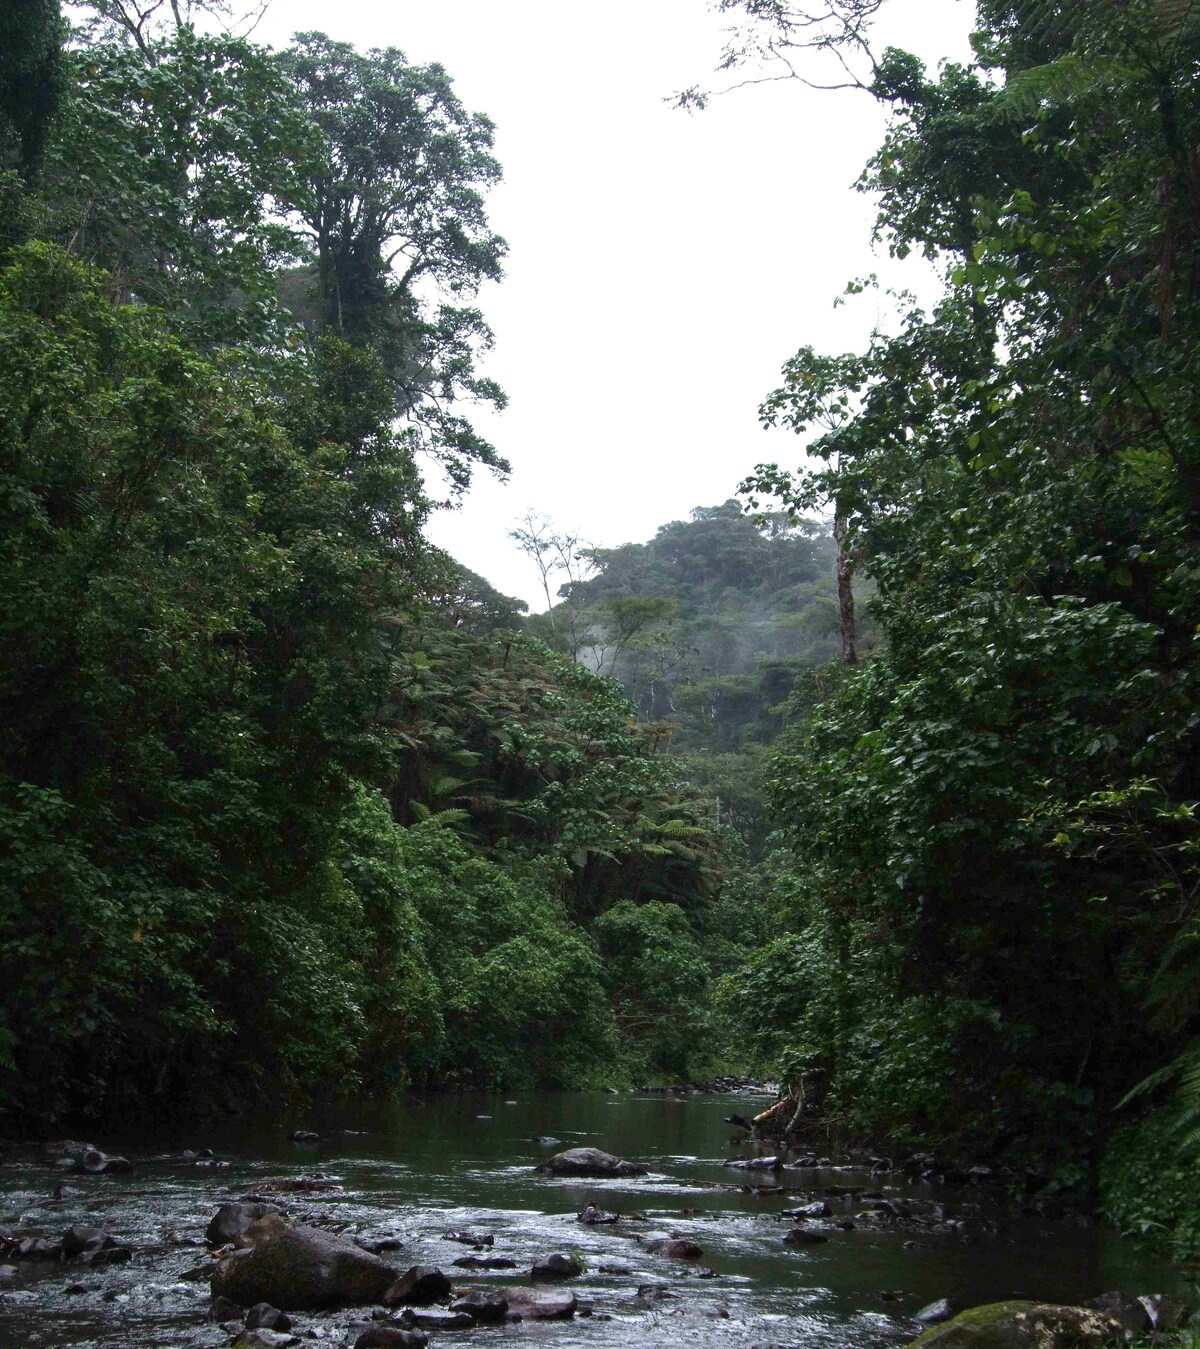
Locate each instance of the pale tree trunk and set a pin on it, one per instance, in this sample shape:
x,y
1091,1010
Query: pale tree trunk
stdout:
x,y
845,590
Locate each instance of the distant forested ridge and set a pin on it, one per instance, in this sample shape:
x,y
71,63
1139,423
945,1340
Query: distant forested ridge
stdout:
x,y
708,626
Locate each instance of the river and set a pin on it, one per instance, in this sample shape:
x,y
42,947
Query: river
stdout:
x,y
430,1166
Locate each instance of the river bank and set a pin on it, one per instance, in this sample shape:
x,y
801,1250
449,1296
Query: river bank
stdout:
x,y
877,1250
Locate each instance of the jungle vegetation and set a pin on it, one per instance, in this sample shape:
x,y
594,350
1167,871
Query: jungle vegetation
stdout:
x,y
291,803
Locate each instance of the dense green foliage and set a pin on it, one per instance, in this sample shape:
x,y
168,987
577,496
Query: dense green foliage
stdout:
x,y
288,803
992,870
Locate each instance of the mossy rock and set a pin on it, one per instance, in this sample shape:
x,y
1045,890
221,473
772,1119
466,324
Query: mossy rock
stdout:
x,y
1023,1325
297,1268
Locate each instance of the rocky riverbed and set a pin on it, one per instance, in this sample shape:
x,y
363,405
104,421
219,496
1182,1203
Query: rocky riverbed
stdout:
x,y
698,1241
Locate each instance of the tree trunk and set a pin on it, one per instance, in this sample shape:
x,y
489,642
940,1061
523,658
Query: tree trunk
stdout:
x,y
845,590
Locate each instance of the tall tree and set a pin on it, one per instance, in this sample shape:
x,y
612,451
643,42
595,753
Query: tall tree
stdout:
x,y
396,216
174,176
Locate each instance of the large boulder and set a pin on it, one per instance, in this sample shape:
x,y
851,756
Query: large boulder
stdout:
x,y
302,1267
1024,1325
265,1229
589,1162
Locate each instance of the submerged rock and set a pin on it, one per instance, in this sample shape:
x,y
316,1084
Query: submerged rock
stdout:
x,y
1023,1325
675,1248
98,1163
593,1216
476,1239
540,1304
265,1339
384,1337
379,1245
437,1318
302,1267
485,1262
589,1162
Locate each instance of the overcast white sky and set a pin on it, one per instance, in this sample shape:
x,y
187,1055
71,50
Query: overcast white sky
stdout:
x,y
662,265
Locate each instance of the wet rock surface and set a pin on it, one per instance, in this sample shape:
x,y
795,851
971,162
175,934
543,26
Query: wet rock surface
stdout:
x,y
540,1304
418,1286
98,1163
1024,1325
594,1216
937,1312
555,1266
231,1222
591,1163
383,1337
1129,1310
485,1262
265,1339
675,1248
437,1318
302,1267
482,1306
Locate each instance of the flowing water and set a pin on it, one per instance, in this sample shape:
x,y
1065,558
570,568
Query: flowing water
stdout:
x,y
444,1163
